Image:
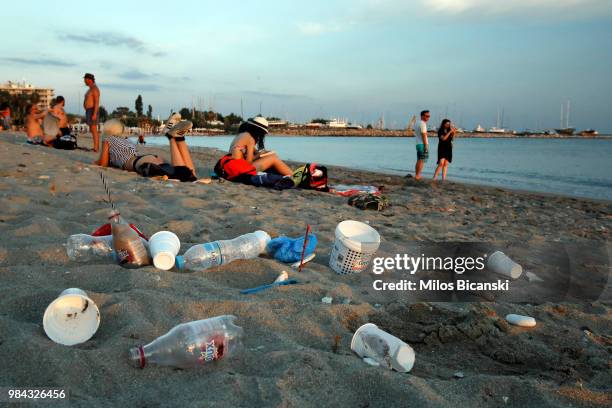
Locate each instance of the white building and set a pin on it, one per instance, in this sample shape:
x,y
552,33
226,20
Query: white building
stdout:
x,y
23,88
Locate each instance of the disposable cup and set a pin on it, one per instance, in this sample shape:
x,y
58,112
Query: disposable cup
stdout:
x,y
501,264
387,350
164,246
72,318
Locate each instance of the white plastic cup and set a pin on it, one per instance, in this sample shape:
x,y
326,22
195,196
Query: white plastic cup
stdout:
x,y
164,246
72,318
353,248
501,264
387,350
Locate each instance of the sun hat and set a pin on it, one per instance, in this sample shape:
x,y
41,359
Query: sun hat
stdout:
x,y
89,76
260,122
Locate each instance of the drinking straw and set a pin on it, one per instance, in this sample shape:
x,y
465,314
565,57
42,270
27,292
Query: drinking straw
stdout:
x,y
264,287
304,247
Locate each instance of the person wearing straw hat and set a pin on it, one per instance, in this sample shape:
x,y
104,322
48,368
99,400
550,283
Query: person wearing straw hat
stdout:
x,y
249,145
92,105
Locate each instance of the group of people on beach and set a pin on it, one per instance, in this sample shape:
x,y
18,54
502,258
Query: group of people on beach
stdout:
x,y
446,134
247,156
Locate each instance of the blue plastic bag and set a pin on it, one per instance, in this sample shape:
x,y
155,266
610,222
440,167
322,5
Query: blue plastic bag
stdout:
x,y
288,250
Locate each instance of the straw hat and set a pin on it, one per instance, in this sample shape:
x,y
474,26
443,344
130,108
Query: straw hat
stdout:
x,y
112,127
260,122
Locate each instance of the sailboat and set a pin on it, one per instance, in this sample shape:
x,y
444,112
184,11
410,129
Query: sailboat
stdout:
x,y
565,128
499,128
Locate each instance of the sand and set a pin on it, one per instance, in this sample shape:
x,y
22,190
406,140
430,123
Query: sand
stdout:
x,y
465,353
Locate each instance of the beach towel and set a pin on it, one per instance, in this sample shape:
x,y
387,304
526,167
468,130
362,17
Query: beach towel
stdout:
x,y
349,190
287,249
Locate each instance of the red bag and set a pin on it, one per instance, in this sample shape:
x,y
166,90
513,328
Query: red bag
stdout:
x,y
229,168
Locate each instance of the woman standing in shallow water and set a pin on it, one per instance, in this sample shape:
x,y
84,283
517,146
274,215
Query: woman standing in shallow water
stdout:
x,y
446,132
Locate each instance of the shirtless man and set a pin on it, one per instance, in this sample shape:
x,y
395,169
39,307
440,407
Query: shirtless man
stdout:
x,y
58,111
33,128
91,105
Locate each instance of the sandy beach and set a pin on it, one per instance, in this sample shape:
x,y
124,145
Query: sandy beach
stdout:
x,y
289,358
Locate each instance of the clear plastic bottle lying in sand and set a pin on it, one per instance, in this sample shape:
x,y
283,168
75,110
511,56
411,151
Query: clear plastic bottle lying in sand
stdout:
x,y
191,344
129,248
203,256
87,248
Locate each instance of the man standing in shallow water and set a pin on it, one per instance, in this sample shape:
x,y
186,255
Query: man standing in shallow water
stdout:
x,y
91,105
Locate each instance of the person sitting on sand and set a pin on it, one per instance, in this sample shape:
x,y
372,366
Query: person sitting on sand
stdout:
x,y
34,129
121,153
5,116
249,145
57,110
446,132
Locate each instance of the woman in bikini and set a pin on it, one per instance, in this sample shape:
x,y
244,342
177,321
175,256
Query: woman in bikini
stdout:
x,y
249,145
122,153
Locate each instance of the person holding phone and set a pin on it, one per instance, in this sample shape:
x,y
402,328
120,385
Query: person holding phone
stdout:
x,y
446,133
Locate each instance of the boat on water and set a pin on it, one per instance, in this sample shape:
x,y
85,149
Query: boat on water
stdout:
x,y
495,129
479,129
337,123
589,132
565,128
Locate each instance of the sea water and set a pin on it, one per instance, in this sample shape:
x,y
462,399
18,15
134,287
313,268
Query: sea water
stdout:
x,y
571,167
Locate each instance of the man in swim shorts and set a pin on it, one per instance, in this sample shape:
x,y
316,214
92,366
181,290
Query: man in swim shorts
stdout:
x,y
422,145
33,128
91,105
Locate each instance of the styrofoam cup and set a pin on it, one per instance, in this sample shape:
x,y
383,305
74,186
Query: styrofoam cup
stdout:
x,y
72,318
164,246
500,263
387,350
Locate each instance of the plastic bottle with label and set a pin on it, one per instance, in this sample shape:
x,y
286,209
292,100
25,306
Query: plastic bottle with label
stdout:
x,y
203,256
129,248
191,344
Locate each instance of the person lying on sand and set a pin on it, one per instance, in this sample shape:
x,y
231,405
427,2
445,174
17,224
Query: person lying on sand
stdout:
x,y
121,153
33,128
252,133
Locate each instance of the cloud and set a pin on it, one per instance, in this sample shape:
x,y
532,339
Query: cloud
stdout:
x,y
315,28
110,39
38,61
136,74
573,8
130,86
273,95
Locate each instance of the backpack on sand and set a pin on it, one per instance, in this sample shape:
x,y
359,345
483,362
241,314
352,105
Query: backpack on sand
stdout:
x,y
311,176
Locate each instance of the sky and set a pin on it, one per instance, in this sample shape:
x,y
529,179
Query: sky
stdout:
x,y
298,60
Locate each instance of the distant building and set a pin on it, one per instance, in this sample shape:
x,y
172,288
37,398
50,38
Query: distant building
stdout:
x,y
23,88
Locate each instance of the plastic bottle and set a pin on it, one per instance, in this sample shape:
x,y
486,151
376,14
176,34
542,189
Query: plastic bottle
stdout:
x,y
88,248
131,252
191,344
203,256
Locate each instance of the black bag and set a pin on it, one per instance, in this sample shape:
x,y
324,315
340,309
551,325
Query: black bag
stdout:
x,y
311,176
181,173
65,142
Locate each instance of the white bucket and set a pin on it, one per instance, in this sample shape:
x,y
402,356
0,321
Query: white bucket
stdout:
x,y
387,350
355,244
72,318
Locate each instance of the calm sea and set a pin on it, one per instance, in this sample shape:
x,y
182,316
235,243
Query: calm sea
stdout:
x,y
571,167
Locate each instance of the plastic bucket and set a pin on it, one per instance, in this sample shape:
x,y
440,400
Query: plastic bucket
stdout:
x,y
72,318
355,244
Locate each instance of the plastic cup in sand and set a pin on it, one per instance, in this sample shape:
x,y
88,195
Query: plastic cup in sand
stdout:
x,y
164,246
72,318
387,350
499,263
